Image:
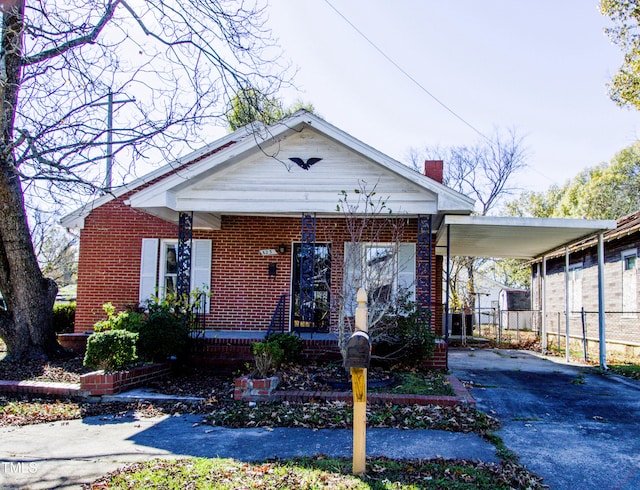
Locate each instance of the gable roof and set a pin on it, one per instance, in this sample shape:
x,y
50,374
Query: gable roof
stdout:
x,y
250,172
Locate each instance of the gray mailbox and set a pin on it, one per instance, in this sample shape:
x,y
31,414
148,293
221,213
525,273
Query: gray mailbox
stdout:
x,y
358,350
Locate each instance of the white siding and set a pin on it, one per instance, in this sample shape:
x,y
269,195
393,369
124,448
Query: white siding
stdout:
x,y
275,184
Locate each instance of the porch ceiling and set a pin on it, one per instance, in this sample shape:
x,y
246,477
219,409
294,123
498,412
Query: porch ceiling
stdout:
x,y
506,237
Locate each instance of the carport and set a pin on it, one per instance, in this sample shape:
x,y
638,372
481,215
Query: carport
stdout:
x,y
522,238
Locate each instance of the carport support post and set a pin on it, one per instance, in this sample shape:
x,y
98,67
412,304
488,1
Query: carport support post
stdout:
x,y
544,304
601,312
359,385
566,303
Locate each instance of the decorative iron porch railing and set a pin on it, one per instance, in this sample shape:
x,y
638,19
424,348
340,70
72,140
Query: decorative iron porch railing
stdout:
x,y
279,318
197,311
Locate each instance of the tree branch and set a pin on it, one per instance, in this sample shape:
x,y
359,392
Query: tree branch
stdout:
x,y
69,45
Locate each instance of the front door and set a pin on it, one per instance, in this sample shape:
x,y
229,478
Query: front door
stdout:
x,y
311,291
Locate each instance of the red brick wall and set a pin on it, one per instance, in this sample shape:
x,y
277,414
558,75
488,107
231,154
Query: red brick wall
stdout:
x,y
109,260
243,295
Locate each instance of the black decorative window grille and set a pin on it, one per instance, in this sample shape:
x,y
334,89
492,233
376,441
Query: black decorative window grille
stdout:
x,y
185,240
424,253
307,266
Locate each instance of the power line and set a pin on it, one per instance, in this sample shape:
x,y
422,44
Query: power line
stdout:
x,y
406,74
419,85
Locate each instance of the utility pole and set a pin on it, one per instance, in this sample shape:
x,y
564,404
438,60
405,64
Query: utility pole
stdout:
x,y
109,103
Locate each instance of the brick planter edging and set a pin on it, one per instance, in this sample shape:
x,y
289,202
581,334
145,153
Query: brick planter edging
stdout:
x,y
461,397
250,389
439,358
42,388
100,383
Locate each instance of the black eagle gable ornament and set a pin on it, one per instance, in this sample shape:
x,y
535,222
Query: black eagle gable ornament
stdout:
x,y
305,165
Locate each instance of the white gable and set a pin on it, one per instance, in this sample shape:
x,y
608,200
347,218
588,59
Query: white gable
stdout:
x,y
266,184
251,173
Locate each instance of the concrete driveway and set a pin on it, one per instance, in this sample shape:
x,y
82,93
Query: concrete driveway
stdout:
x,y
569,424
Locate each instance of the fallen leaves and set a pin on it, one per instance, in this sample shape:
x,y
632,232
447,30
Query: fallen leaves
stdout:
x,y
322,472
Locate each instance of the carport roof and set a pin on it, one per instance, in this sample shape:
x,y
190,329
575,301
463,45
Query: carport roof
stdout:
x,y
512,237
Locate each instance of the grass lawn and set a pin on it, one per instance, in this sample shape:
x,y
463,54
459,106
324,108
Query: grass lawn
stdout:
x,y
628,370
319,472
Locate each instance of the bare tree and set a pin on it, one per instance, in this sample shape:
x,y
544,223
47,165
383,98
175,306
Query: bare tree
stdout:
x,y
60,63
484,171
56,249
374,259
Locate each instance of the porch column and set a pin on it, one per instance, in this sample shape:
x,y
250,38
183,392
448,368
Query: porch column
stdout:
x,y
424,255
185,240
601,312
448,286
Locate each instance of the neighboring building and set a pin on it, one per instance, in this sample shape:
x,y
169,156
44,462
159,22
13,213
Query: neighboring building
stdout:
x,y
622,295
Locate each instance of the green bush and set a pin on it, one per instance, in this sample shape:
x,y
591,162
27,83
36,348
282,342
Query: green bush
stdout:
x,y
64,317
111,350
123,320
164,334
403,335
267,356
290,344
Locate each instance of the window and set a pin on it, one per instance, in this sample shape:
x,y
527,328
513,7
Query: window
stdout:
x,y
159,267
380,268
629,283
168,279
383,269
630,263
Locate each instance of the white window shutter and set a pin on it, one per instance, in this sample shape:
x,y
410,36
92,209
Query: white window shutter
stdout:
x,y
201,268
148,269
407,268
352,276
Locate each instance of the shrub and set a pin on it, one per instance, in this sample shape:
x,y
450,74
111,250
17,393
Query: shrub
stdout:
x,y
123,320
64,317
111,350
403,335
268,356
290,344
164,334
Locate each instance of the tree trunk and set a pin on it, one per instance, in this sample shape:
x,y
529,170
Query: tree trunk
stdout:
x,y
26,326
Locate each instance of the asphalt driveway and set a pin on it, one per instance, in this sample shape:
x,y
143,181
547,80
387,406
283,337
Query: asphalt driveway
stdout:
x,y
569,424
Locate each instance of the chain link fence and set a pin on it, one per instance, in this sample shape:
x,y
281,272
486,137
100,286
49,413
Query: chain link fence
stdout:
x,y
523,329
622,334
493,324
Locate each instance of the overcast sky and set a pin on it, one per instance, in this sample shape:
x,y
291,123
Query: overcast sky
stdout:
x,y
537,66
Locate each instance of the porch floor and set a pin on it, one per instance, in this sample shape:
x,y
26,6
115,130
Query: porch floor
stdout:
x,y
259,335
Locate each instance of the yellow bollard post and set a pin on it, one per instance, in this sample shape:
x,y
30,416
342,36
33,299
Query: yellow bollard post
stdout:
x,y
359,385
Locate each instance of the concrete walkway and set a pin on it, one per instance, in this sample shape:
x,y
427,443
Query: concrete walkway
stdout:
x,y
66,454
568,423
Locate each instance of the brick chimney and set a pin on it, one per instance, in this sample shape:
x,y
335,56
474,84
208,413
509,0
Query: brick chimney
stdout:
x,y
434,169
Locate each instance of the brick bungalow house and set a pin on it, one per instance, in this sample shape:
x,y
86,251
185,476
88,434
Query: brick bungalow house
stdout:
x,y
572,280
255,219
240,219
